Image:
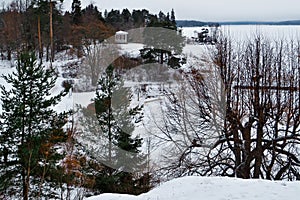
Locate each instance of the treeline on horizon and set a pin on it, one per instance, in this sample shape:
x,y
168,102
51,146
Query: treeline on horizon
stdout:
x,y
194,23
26,26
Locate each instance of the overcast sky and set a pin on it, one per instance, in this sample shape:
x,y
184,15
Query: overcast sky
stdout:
x,y
208,10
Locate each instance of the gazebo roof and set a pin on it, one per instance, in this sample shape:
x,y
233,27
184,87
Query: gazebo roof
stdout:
x,y
122,33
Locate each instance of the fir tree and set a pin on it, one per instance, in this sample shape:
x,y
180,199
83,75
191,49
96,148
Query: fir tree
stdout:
x,y
76,12
105,13
173,21
113,113
30,131
116,121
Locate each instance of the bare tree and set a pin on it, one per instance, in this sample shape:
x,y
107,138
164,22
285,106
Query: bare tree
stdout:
x,y
259,92
98,58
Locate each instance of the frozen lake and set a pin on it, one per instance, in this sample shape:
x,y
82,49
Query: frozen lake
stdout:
x,y
244,32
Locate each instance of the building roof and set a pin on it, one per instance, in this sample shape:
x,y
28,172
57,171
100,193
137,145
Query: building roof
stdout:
x,y
122,32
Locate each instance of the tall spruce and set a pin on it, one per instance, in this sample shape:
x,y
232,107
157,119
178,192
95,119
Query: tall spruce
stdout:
x,y
31,131
112,104
173,21
76,12
116,121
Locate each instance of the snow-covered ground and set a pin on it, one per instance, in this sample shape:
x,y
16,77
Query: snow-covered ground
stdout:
x,y
214,188
187,188
131,49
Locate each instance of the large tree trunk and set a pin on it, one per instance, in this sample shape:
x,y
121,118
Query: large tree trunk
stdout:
x,y
40,38
24,184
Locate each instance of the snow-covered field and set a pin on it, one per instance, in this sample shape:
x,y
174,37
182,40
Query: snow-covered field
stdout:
x,y
214,188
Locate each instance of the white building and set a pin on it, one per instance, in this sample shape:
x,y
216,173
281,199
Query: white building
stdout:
x,y
121,37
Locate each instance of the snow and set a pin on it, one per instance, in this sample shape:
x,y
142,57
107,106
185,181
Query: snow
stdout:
x,y
208,188
244,32
268,31
131,49
192,31
187,188
122,32
83,98
214,188
5,69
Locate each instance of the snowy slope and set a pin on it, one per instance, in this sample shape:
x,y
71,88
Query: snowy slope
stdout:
x,y
187,188
215,188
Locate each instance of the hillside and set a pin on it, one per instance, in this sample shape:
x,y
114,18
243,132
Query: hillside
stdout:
x,y
148,85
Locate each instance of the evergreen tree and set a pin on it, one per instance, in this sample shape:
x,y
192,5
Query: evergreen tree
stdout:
x,y
161,16
173,21
36,27
92,10
105,13
139,17
116,122
115,119
163,41
76,12
161,46
30,131
115,19
126,15
168,17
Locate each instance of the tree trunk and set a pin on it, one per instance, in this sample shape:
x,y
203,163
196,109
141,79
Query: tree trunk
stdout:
x,y
161,57
40,38
258,111
8,54
47,53
24,185
51,35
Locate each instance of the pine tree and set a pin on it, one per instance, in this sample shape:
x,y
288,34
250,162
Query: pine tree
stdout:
x,y
105,13
30,131
173,21
113,113
162,44
76,12
162,40
115,120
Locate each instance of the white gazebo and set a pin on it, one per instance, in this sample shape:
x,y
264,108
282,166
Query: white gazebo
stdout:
x,y
121,37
